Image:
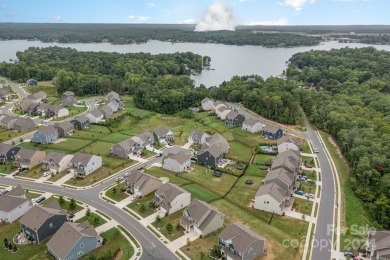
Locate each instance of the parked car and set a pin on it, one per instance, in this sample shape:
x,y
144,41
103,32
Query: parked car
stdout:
x,y
140,168
298,192
15,173
239,167
309,195
308,166
349,254
316,150
194,159
71,215
302,178
45,174
159,155
249,182
40,199
2,191
309,181
126,175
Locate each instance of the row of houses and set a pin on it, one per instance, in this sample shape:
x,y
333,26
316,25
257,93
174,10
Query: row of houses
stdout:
x,y
275,195
236,241
233,118
17,124
113,104
40,222
79,164
68,99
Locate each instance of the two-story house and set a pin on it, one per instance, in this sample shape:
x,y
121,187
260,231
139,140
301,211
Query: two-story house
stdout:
x,y
68,99
64,129
141,184
378,245
80,122
95,116
171,198
41,222
83,164
106,111
8,152
201,217
283,178
178,163
163,134
56,162
207,104
45,135
58,111
273,198
23,124
13,205
28,159
272,132
252,126
127,148
42,109
239,242
74,240
288,143
233,118
198,137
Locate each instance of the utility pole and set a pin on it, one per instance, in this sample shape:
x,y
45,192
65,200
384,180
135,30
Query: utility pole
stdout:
x,y
272,216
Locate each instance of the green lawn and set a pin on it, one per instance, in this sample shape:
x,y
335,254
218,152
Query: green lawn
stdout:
x,y
262,159
58,176
198,192
114,137
309,160
243,193
247,138
202,245
205,177
310,174
114,241
93,219
308,187
159,172
303,206
34,173
7,168
32,195
174,219
26,251
239,152
254,170
65,205
71,145
305,147
6,135
98,148
137,205
129,105
116,195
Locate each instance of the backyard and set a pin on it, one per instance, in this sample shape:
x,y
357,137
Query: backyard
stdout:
x,y
174,221
65,205
93,219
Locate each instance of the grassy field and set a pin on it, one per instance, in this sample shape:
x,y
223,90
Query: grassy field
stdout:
x,y
159,172
114,137
137,204
32,195
65,205
93,219
6,135
239,152
305,147
202,175
116,195
114,240
46,87
262,159
303,206
350,202
26,251
34,173
254,170
7,168
242,193
198,192
58,176
174,219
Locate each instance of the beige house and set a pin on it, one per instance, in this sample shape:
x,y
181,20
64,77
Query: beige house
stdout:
x,y
207,104
223,112
141,184
273,198
252,126
219,141
201,217
28,159
178,163
56,162
288,143
171,198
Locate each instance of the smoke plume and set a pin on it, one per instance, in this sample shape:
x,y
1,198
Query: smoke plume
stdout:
x,y
217,17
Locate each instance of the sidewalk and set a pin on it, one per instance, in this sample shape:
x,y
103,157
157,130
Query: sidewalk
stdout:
x,y
124,202
63,179
182,241
149,219
80,214
298,215
43,179
187,145
106,226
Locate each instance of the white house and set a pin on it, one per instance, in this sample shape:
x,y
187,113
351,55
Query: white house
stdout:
x,y
58,111
83,164
223,113
286,143
13,205
197,137
178,163
252,125
273,198
207,104
171,198
95,116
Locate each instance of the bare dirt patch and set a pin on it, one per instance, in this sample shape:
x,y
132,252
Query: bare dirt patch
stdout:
x,y
216,179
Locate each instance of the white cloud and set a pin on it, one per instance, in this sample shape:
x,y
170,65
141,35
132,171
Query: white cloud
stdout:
x,y
296,4
142,18
131,17
190,21
3,6
56,18
11,14
151,4
280,21
242,1
218,16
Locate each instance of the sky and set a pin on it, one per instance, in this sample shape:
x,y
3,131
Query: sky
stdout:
x,y
243,12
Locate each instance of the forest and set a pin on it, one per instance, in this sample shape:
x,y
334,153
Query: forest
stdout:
x,y
159,83
352,103
125,34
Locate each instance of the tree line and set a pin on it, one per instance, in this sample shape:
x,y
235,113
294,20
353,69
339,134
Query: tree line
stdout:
x,y
352,103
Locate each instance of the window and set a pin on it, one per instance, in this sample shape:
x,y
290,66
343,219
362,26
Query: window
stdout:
x,y
81,245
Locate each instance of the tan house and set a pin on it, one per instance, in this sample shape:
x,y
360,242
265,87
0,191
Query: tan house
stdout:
x,y
56,162
64,129
28,159
201,217
141,184
171,198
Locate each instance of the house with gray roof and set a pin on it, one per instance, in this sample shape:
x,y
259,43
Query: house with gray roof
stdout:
x,y
106,111
64,129
27,158
141,184
202,217
378,245
112,95
42,221
171,198
5,94
23,124
13,205
74,240
56,162
207,104
233,118
291,155
178,163
272,132
83,164
95,116
7,122
147,138
209,155
114,105
45,135
8,152
68,94
40,95
288,142
163,134
273,198
80,122
252,126
58,111
24,105
218,140
290,166
68,101
198,137
222,112
34,98
127,148
240,243
42,109
283,178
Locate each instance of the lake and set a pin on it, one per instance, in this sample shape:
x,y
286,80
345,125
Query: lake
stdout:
x,y
226,60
